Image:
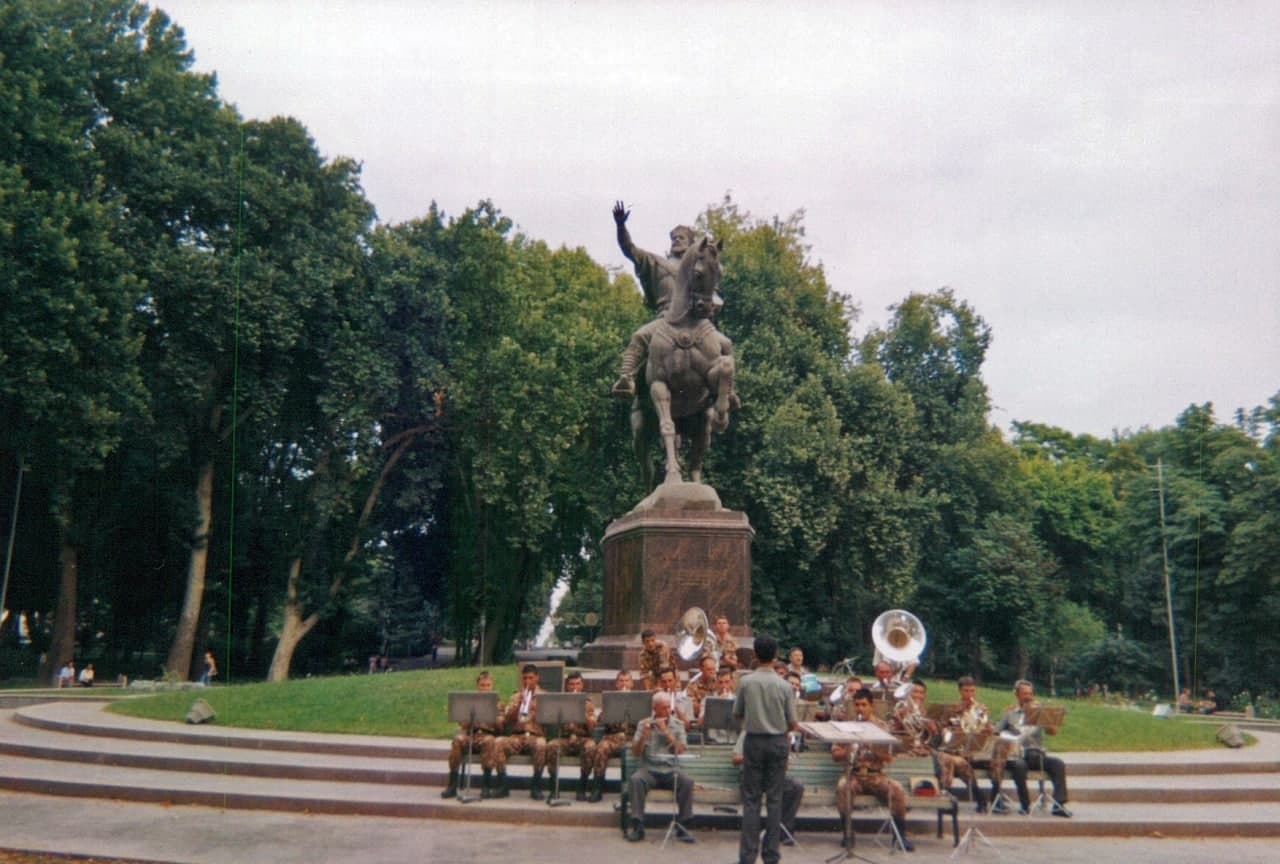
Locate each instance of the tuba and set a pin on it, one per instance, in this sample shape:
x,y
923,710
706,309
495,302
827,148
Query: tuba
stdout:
x,y
694,636
899,638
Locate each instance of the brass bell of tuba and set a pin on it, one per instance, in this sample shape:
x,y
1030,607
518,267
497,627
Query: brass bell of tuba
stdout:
x,y
694,636
899,638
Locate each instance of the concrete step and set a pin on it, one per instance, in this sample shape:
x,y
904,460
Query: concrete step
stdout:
x,y
77,750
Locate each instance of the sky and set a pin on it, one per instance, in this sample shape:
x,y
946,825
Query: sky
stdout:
x,y
1100,181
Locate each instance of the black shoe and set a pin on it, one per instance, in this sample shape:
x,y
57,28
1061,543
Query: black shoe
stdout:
x,y
1059,810
1000,808
1023,811
684,836
635,834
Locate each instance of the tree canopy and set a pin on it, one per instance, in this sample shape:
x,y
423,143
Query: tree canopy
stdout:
x,y
252,418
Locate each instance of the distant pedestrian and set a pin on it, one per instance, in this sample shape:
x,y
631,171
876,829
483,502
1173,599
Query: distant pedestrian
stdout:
x,y
86,676
765,706
210,669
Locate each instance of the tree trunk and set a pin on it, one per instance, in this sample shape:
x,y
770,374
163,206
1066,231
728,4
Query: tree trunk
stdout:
x,y
292,628
63,646
179,660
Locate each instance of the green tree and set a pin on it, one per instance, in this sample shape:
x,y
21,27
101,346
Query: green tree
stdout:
x,y
68,347
533,340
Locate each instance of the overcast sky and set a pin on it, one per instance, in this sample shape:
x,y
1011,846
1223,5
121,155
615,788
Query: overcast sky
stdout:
x,y
1100,181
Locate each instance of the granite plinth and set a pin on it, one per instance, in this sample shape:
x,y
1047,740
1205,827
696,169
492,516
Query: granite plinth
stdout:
x,y
659,561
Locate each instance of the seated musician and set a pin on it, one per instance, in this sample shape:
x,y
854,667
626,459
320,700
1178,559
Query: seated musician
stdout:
x,y
1031,738
795,661
681,704
792,793
725,688
977,743
575,739
700,686
726,685
917,730
523,735
616,736
886,683
655,656
842,708
657,739
726,644
476,740
866,772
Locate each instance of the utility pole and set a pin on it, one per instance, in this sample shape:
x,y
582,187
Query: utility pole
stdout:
x,y
1168,591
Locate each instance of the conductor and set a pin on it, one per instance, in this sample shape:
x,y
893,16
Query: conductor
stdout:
x,y
765,707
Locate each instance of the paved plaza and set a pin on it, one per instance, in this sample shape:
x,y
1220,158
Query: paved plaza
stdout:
x,y
202,835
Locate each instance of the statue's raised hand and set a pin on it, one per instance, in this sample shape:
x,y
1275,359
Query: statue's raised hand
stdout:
x,y
620,214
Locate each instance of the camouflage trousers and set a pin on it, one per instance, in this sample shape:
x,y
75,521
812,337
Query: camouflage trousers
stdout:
x,y
574,745
608,747
479,744
524,744
951,766
1000,756
888,790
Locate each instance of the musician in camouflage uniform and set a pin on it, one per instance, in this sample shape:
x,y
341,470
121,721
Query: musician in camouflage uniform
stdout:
x,y
916,728
523,735
476,740
842,709
865,773
575,740
1000,750
700,687
616,737
655,656
726,644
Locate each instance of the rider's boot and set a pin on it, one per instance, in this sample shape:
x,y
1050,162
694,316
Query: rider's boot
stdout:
x,y
451,790
535,788
503,789
597,789
625,386
486,784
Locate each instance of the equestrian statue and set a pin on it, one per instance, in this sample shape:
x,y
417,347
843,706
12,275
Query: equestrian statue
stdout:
x,y
688,364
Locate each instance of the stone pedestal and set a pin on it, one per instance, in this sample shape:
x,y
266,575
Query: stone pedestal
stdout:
x,y
678,549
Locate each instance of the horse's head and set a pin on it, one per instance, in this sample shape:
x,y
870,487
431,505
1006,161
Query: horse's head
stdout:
x,y
699,275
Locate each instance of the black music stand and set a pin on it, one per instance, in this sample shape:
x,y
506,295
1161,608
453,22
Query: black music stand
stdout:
x,y
557,709
472,708
628,707
550,674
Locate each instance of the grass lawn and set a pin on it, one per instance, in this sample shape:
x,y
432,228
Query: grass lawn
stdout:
x,y
414,704
411,704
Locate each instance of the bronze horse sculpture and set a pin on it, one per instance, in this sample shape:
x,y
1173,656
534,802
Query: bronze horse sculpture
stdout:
x,y
689,371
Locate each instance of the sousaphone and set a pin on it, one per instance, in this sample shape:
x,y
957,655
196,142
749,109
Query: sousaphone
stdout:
x,y
694,636
899,638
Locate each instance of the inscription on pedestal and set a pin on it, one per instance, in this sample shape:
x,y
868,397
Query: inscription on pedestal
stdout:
x,y
659,564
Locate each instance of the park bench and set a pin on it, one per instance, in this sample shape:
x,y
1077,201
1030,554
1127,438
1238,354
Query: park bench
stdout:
x,y
716,782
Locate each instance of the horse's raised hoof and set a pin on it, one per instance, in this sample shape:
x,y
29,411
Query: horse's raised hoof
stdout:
x,y
624,387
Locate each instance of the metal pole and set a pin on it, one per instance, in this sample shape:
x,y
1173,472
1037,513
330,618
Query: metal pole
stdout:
x,y
13,530
1168,591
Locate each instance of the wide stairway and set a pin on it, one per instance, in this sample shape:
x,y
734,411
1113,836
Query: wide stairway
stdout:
x,y
74,747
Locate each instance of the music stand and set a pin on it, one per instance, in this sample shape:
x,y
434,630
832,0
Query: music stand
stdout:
x,y
557,709
676,759
472,708
626,706
550,674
